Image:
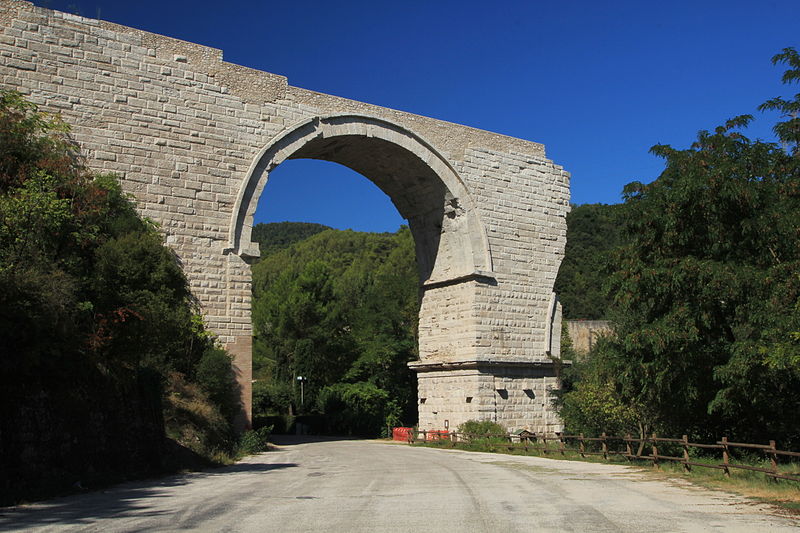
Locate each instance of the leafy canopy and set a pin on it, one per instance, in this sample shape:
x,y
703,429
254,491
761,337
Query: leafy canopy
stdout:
x,y
95,314
340,309
705,287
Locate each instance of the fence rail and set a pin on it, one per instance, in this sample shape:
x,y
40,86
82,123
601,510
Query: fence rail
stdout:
x,y
559,443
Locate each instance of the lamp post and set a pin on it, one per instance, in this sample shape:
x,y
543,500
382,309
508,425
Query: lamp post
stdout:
x,y
302,380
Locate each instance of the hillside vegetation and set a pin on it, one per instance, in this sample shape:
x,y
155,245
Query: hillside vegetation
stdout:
x,y
279,235
99,336
339,309
703,293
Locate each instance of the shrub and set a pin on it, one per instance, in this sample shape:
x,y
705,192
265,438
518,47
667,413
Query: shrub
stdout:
x,y
193,421
354,408
254,441
482,427
215,376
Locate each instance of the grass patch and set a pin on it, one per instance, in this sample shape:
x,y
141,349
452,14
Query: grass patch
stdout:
x,y
755,485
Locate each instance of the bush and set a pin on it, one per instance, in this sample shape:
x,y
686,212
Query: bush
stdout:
x,y
255,441
215,376
482,427
195,422
355,408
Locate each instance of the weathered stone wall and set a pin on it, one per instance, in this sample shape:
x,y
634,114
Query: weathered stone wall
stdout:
x,y
517,396
584,333
194,139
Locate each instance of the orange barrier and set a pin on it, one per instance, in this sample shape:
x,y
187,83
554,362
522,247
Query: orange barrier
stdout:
x,y
402,434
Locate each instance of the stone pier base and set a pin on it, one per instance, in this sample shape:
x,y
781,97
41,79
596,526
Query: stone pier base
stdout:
x,y
513,393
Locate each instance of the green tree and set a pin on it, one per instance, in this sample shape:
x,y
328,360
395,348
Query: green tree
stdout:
x,y
340,309
705,291
593,231
280,235
787,131
95,314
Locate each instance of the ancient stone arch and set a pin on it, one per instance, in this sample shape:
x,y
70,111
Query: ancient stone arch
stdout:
x,y
194,139
425,189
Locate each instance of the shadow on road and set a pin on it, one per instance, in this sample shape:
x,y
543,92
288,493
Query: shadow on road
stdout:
x,y
121,501
290,440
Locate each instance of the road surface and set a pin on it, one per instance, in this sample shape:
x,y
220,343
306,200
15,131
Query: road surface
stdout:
x,y
364,486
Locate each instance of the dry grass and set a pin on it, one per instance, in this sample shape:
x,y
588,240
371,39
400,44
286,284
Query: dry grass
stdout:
x,y
194,422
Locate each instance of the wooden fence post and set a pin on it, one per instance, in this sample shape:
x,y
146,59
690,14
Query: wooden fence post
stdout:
x,y
655,451
773,459
582,445
686,466
561,445
628,449
604,445
725,457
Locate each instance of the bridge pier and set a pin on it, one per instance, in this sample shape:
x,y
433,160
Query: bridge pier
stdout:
x,y
514,393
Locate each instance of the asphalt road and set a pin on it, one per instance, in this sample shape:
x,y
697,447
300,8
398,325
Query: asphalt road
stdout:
x,y
364,486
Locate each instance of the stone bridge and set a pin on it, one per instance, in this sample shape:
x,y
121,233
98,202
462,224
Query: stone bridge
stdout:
x,y
194,140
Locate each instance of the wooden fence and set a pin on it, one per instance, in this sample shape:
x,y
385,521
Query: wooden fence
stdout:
x,y
607,446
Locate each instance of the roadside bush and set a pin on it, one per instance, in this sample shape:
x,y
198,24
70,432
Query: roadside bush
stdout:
x,y
193,421
354,408
215,377
482,427
255,441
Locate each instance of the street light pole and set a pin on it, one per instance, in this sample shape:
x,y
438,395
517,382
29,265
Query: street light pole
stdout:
x,y
302,380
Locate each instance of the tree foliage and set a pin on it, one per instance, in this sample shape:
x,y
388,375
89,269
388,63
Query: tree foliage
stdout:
x,y
593,231
339,309
705,288
279,235
95,316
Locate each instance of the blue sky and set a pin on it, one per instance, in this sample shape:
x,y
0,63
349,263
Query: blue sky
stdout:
x,y
598,83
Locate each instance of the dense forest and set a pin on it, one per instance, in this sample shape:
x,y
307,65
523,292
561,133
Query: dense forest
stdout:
x,y
279,235
593,231
338,309
103,354
703,292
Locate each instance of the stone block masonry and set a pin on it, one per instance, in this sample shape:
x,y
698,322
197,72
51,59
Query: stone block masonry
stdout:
x,y
194,139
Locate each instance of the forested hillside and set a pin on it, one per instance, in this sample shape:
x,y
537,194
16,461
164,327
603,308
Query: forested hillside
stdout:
x,y
101,347
279,235
593,231
340,310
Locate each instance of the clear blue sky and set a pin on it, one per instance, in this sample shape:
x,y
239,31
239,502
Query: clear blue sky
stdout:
x,y
598,83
